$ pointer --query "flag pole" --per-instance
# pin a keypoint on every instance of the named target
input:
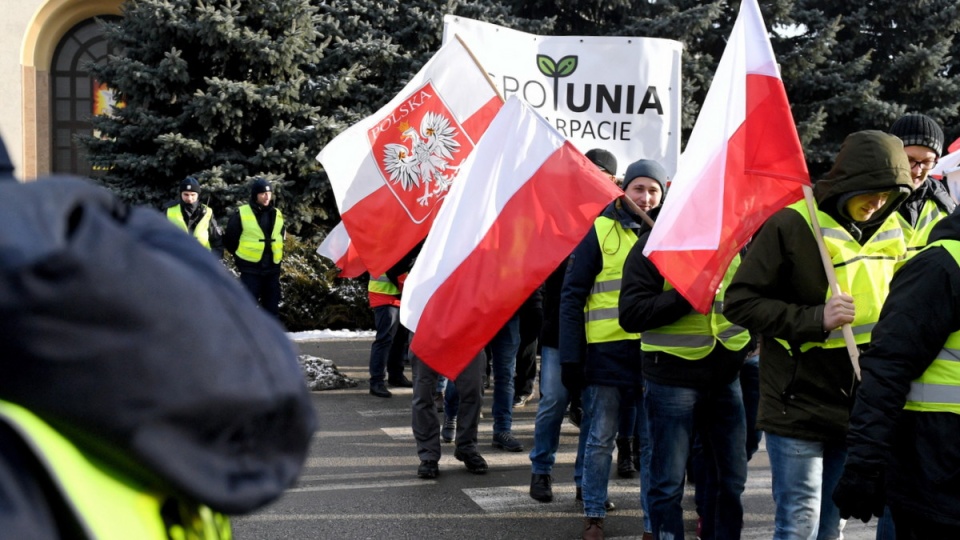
(831, 278)
(477, 62)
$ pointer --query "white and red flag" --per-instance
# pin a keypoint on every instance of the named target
(338, 248)
(743, 162)
(522, 202)
(391, 171)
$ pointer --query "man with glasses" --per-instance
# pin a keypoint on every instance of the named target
(930, 201)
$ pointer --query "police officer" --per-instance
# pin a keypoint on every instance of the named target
(196, 218)
(255, 236)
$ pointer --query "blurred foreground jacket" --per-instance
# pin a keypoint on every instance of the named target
(127, 349)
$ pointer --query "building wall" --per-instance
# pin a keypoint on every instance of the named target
(29, 33)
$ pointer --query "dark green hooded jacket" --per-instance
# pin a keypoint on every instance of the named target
(780, 289)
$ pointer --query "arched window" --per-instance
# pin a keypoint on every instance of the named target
(74, 94)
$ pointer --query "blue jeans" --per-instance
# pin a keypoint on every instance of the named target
(886, 530)
(386, 320)
(750, 386)
(504, 347)
(674, 414)
(550, 412)
(602, 404)
(805, 474)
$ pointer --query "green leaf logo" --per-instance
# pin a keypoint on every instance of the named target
(555, 70)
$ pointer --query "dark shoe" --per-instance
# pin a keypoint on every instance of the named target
(625, 468)
(380, 390)
(505, 441)
(401, 382)
(541, 487)
(647, 535)
(428, 469)
(473, 460)
(520, 400)
(449, 430)
(438, 401)
(575, 416)
(607, 505)
(592, 529)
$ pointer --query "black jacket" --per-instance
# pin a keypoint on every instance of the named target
(919, 451)
(644, 305)
(266, 217)
(127, 337)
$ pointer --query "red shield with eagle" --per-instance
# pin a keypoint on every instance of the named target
(418, 148)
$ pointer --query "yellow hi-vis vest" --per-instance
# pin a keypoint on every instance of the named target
(107, 504)
(602, 312)
(252, 239)
(864, 272)
(382, 285)
(916, 237)
(694, 336)
(938, 388)
(202, 232)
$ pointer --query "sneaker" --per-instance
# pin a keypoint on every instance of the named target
(438, 401)
(505, 441)
(449, 430)
(541, 487)
(520, 400)
(428, 469)
(400, 382)
(592, 528)
(607, 505)
(473, 461)
(380, 390)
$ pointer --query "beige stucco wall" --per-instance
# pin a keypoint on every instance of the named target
(29, 33)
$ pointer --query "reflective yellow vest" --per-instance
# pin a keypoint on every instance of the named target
(202, 232)
(602, 311)
(105, 503)
(382, 285)
(916, 237)
(938, 388)
(694, 336)
(252, 239)
(864, 272)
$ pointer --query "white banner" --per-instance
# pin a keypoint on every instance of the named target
(621, 94)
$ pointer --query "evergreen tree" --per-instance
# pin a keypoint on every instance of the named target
(213, 89)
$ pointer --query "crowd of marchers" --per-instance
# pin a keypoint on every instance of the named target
(680, 395)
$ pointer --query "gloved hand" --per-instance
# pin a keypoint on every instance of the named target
(860, 493)
(571, 375)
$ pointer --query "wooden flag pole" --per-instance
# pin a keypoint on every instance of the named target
(831, 278)
(479, 66)
(636, 210)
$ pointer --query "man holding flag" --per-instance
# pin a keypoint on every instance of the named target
(807, 381)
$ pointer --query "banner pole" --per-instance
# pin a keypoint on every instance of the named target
(477, 62)
(831, 278)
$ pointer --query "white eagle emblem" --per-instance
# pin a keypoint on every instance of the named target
(425, 160)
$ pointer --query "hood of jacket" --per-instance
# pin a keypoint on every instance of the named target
(184, 383)
(868, 161)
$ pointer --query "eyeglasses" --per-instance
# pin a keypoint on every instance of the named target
(924, 165)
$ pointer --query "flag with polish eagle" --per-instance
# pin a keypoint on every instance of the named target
(522, 202)
(338, 248)
(743, 162)
(391, 171)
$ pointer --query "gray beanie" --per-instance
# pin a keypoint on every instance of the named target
(919, 130)
(648, 168)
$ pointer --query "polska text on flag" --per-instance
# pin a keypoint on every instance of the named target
(338, 248)
(743, 162)
(391, 171)
(522, 202)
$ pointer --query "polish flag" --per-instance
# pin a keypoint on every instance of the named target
(743, 162)
(522, 202)
(338, 248)
(391, 171)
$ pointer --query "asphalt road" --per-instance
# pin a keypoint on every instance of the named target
(360, 479)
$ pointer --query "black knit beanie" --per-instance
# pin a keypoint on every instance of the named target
(190, 184)
(919, 130)
(603, 159)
